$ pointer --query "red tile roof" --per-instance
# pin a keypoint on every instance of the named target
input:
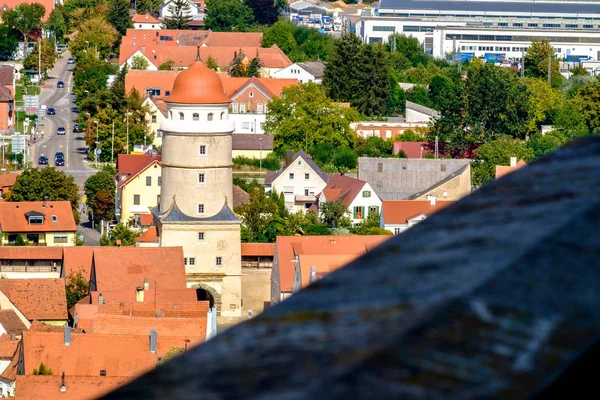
(411, 149)
(146, 219)
(8, 180)
(78, 259)
(241, 39)
(150, 236)
(126, 296)
(88, 353)
(323, 263)
(10, 373)
(11, 323)
(258, 249)
(48, 5)
(142, 79)
(8, 347)
(145, 19)
(287, 247)
(47, 387)
(37, 326)
(37, 298)
(502, 170)
(400, 211)
(119, 268)
(271, 87)
(13, 216)
(31, 253)
(131, 165)
(344, 188)
(170, 309)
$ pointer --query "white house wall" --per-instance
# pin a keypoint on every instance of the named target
(297, 186)
(366, 202)
(248, 122)
(294, 72)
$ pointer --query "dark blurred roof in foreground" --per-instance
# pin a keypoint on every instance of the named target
(493, 297)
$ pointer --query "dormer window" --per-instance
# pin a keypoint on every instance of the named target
(36, 220)
(54, 218)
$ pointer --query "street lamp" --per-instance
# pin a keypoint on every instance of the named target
(260, 155)
(127, 117)
(97, 142)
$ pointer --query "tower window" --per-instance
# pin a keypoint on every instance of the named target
(202, 150)
(200, 235)
(200, 178)
(200, 208)
(210, 116)
(222, 115)
(196, 117)
(181, 117)
(219, 261)
(192, 260)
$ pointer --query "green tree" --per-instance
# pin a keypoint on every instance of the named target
(254, 67)
(180, 17)
(396, 101)
(341, 76)
(42, 370)
(228, 16)
(544, 144)
(333, 213)
(370, 226)
(212, 63)
(8, 42)
(420, 95)
(587, 101)
(76, 287)
(257, 216)
(439, 84)
(118, 15)
(571, 86)
(96, 39)
(536, 62)
(497, 152)
(19, 241)
(544, 98)
(35, 184)
(265, 12)
(25, 18)
(408, 47)
(373, 79)
(167, 65)
(139, 62)
(303, 116)
(56, 22)
(238, 68)
(345, 160)
(579, 70)
(100, 192)
(119, 232)
(49, 56)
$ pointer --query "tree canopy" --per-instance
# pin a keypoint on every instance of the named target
(25, 18)
(229, 16)
(119, 17)
(299, 43)
(536, 62)
(77, 287)
(49, 56)
(119, 232)
(96, 39)
(180, 15)
(35, 184)
(304, 116)
(100, 192)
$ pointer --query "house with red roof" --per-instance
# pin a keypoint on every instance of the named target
(35, 387)
(146, 21)
(31, 261)
(411, 149)
(300, 260)
(502, 170)
(42, 223)
(138, 184)
(9, 357)
(399, 215)
(7, 180)
(39, 299)
(357, 195)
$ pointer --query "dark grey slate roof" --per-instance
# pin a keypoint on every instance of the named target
(440, 183)
(492, 298)
(174, 214)
(537, 7)
(315, 68)
(307, 160)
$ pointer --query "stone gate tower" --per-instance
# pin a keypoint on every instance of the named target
(196, 193)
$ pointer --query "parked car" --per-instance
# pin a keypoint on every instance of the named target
(61, 130)
(43, 160)
(70, 61)
(75, 110)
(60, 84)
(51, 111)
(75, 128)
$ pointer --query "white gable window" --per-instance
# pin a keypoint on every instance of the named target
(234, 108)
(259, 108)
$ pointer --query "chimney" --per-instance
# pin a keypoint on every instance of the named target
(313, 274)
(152, 341)
(143, 48)
(146, 284)
(67, 336)
(432, 200)
(118, 242)
(63, 387)
(288, 157)
(100, 299)
(513, 161)
(139, 294)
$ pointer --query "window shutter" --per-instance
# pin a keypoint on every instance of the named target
(354, 216)
(362, 211)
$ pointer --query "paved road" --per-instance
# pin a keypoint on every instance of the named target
(71, 144)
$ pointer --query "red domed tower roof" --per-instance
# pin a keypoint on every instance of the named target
(198, 85)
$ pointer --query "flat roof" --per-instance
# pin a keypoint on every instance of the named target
(537, 7)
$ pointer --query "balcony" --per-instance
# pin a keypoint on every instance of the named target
(301, 198)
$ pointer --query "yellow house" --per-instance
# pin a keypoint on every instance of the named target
(251, 145)
(138, 186)
(42, 223)
(155, 115)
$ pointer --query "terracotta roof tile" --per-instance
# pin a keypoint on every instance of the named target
(47, 387)
(240, 196)
(48, 5)
(88, 353)
(6, 78)
(287, 247)
(10, 373)
(31, 253)
(502, 170)
(7, 180)
(78, 259)
(37, 326)
(142, 79)
(258, 249)
(275, 86)
(37, 298)
(13, 216)
(149, 236)
(411, 149)
(146, 219)
(8, 346)
(400, 211)
(323, 263)
(126, 296)
(11, 322)
(134, 164)
(119, 268)
(170, 309)
(145, 19)
(241, 39)
(344, 188)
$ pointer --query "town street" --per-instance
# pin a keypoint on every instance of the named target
(71, 144)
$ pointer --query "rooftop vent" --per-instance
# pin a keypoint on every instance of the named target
(67, 336)
(63, 387)
(313, 274)
(153, 341)
(102, 372)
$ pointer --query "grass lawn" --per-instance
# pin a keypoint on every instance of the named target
(20, 119)
(20, 91)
